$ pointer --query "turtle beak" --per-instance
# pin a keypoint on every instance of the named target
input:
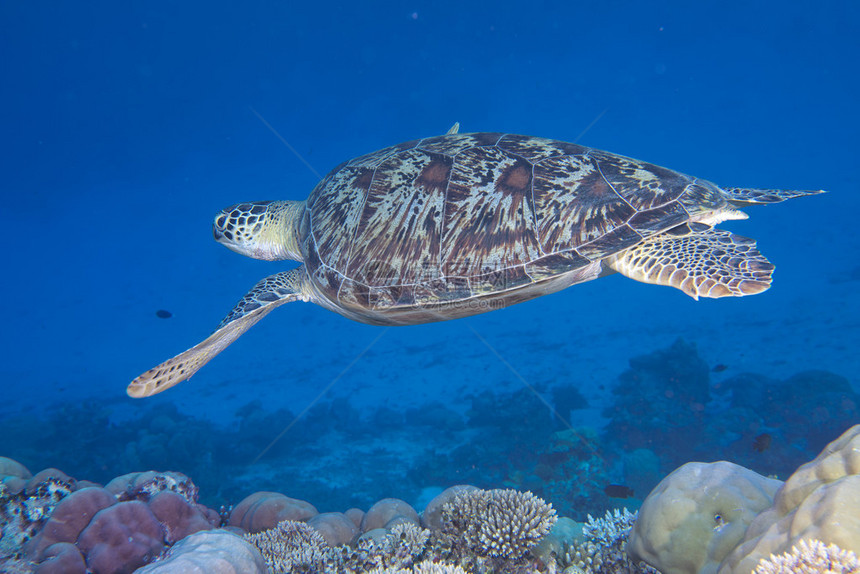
(216, 233)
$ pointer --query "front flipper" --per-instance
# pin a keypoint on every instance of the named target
(698, 260)
(271, 292)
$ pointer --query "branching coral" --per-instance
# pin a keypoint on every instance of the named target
(394, 550)
(426, 567)
(811, 557)
(292, 546)
(604, 550)
(497, 523)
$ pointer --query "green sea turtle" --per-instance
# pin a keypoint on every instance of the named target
(460, 224)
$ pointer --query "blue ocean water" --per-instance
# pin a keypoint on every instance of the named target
(128, 126)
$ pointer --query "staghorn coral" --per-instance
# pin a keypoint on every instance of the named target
(426, 567)
(432, 516)
(501, 523)
(811, 557)
(395, 549)
(411, 537)
(292, 546)
(604, 549)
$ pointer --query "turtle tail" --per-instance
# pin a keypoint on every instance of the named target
(741, 196)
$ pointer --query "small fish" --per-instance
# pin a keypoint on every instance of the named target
(720, 368)
(163, 314)
(762, 442)
(618, 491)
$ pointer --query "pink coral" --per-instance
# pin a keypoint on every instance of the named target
(69, 519)
(178, 516)
(62, 558)
(144, 485)
(122, 538)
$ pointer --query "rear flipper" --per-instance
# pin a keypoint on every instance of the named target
(739, 196)
(271, 292)
(698, 260)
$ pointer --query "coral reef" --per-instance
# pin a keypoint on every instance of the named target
(660, 403)
(210, 552)
(336, 528)
(725, 519)
(516, 522)
(498, 523)
(820, 501)
(121, 538)
(292, 546)
(668, 407)
(264, 510)
(387, 512)
(597, 547)
(811, 557)
(26, 508)
(144, 485)
(697, 515)
(69, 518)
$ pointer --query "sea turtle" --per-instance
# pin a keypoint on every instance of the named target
(460, 224)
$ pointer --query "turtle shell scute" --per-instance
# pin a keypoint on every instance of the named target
(464, 216)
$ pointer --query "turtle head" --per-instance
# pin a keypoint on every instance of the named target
(261, 229)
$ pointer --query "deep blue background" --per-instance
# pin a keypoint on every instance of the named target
(126, 126)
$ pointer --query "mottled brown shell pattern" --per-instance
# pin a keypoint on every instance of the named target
(458, 216)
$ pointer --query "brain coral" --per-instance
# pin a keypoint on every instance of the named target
(820, 501)
(697, 515)
(811, 557)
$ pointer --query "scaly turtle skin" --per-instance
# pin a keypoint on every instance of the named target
(460, 224)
